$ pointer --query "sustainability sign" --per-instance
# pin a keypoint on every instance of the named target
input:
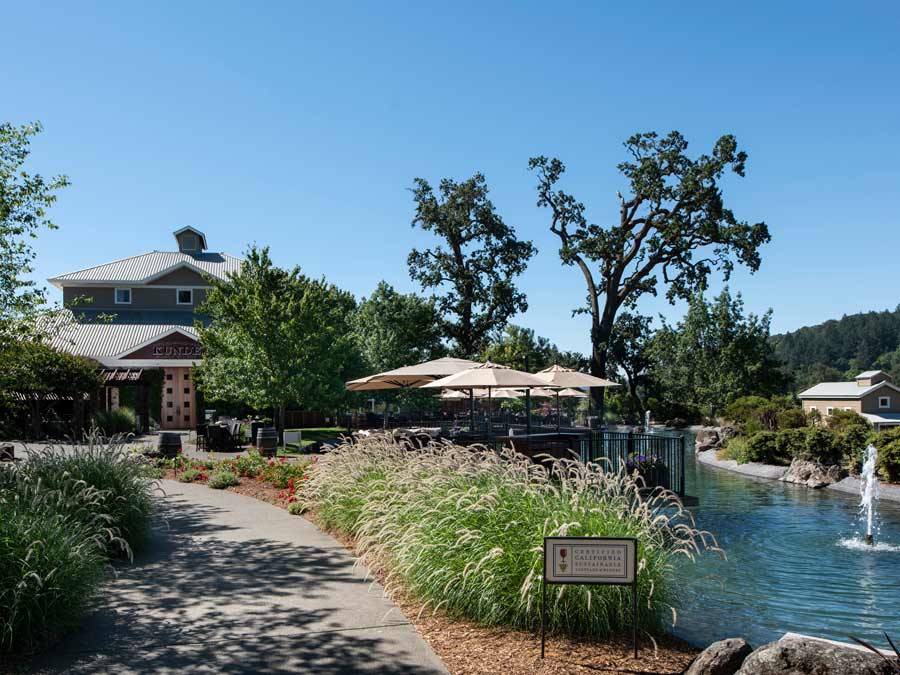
(589, 560)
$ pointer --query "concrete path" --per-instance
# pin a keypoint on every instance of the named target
(229, 584)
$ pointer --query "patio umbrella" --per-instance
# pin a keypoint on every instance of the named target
(489, 376)
(560, 377)
(411, 376)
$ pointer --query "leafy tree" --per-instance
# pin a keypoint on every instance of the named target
(276, 337)
(673, 227)
(715, 355)
(472, 270)
(629, 351)
(37, 373)
(520, 348)
(24, 200)
(395, 329)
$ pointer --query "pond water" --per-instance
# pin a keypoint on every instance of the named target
(795, 563)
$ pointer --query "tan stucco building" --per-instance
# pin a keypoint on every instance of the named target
(872, 394)
(137, 315)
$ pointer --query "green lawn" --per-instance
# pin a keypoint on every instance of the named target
(310, 436)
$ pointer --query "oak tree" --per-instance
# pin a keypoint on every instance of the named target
(673, 229)
(472, 270)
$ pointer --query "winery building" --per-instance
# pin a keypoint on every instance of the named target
(136, 318)
(872, 394)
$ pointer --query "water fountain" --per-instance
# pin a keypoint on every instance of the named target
(869, 491)
(647, 427)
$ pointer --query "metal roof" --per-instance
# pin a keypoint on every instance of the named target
(882, 418)
(148, 266)
(869, 373)
(836, 390)
(87, 334)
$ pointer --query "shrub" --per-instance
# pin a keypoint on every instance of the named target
(792, 418)
(745, 409)
(888, 444)
(820, 446)
(123, 478)
(462, 529)
(791, 443)
(736, 449)
(112, 422)
(761, 447)
(189, 476)
(221, 479)
(295, 508)
(843, 419)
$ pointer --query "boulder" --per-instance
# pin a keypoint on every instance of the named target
(707, 439)
(812, 474)
(805, 656)
(724, 657)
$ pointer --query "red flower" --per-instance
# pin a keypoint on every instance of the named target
(292, 499)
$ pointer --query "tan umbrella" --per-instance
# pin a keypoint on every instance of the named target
(489, 376)
(409, 377)
(560, 377)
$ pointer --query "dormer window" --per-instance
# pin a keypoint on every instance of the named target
(123, 296)
(191, 242)
(184, 296)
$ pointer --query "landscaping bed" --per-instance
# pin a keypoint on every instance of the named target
(471, 644)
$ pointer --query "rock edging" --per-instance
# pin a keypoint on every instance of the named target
(791, 655)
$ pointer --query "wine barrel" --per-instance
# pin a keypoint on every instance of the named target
(169, 443)
(267, 441)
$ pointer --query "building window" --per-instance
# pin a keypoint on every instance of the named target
(813, 408)
(848, 409)
(168, 376)
(123, 296)
(884, 401)
(168, 418)
(829, 410)
(187, 376)
(168, 404)
(168, 390)
(184, 296)
(187, 404)
(187, 418)
(191, 242)
(187, 390)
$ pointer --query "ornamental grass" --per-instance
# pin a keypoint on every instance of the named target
(63, 513)
(462, 528)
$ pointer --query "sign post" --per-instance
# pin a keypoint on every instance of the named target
(605, 561)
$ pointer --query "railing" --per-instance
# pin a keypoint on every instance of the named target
(658, 458)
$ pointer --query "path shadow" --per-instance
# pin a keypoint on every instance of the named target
(191, 604)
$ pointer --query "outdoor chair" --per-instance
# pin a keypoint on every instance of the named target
(202, 434)
(216, 437)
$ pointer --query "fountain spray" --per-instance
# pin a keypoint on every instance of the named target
(869, 490)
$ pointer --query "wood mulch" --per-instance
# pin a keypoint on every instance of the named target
(467, 648)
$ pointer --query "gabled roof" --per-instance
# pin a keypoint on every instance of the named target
(838, 390)
(88, 334)
(141, 269)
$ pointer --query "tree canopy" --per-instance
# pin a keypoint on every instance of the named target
(472, 270)
(35, 373)
(522, 349)
(276, 337)
(24, 200)
(630, 352)
(396, 329)
(673, 227)
(715, 355)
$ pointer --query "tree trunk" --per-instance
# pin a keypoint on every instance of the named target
(600, 334)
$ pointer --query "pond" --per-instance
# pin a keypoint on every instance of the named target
(795, 563)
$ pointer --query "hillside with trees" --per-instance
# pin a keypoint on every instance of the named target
(840, 348)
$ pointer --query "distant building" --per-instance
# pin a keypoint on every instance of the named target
(136, 315)
(872, 394)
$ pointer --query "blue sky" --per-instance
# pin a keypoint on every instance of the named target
(302, 125)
